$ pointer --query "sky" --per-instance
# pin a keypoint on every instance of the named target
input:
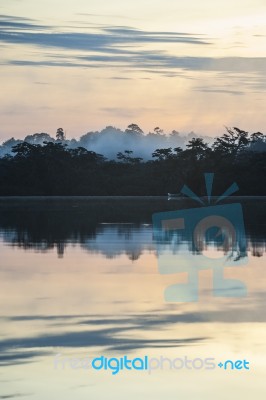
(85, 64)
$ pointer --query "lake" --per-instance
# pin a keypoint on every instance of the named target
(84, 278)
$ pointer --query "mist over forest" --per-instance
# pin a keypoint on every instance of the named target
(132, 164)
(110, 141)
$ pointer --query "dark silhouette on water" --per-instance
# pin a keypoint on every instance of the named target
(123, 224)
(54, 168)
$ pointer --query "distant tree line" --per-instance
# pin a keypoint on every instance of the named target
(110, 140)
(53, 168)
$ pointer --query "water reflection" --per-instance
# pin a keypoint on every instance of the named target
(110, 227)
(81, 278)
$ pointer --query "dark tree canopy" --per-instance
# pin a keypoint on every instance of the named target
(60, 135)
(51, 167)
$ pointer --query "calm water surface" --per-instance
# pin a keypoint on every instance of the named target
(79, 277)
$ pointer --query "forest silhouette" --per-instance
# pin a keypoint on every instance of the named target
(45, 167)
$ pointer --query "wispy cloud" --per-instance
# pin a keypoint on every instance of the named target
(219, 90)
(15, 395)
(11, 23)
(100, 44)
(127, 49)
(106, 38)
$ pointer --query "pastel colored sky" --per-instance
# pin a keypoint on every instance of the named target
(84, 64)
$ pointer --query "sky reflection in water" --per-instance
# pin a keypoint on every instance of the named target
(81, 278)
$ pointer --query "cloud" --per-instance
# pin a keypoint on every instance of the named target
(126, 48)
(15, 395)
(10, 23)
(41, 83)
(12, 17)
(138, 60)
(111, 338)
(103, 39)
(119, 333)
(122, 45)
(16, 357)
(217, 90)
(119, 78)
